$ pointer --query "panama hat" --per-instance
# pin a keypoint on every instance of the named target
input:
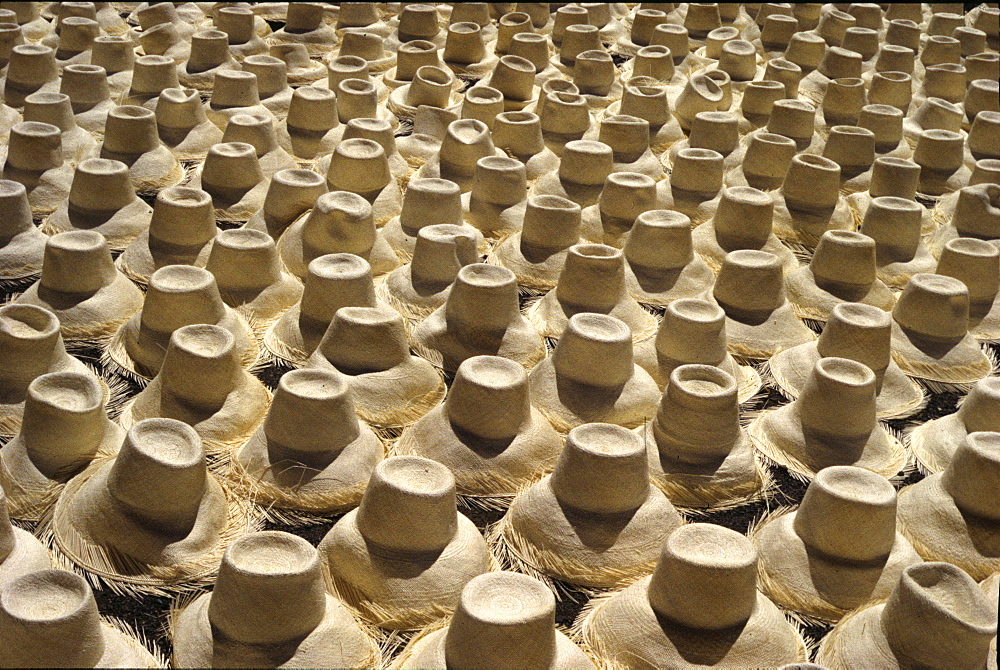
(699, 94)
(32, 24)
(305, 25)
(942, 168)
(151, 75)
(257, 130)
(480, 317)
(891, 177)
(700, 607)
(694, 184)
(35, 159)
(410, 57)
(758, 101)
(482, 103)
(765, 162)
(597, 78)
(976, 214)
(853, 149)
(831, 422)
(809, 202)
(936, 617)
(583, 168)
(514, 77)
(300, 69)
(645, 97)
(64, 428)
(894, 224)
(402, 558)
(151, 518)
(427, 201)
(417, 22)
(290, 193)
(430, 85)
(49, 618)
(183, 125)
(311, 128)
(269, 607)
(886, 122)
(234, 178)
(272, 82)
(624, 197)
(239, 24)
(930, 332)
(23, 245)
(537, 253)
(486, 432)
(838, 550)
(235, 92)
(20, 552)
(178, 295)
(843, 102)
(82, 287)
(164, 39)
(89, 94)
(495, 203)
(932, 114)
(32, 68)
(984, 171)
(209, 56)
(361, 165)
(56, 109)
(130, 136)
(595, 521)
(312, 454)
(464, 143)
(983, 128)
(718, 131)
(933, 443)
(591, 376)
(365, 43)
(976, 264)
(629, 139)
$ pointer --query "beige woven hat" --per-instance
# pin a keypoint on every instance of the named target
(234, 178)
(592, 280)
(165, 39)
(382, 132)
(88, 91)
(410, 57)
(178, 295)
(583, 169)
(311, 128)
(300, 69)
(718, 131)
(895, 177)
(153, 518)
(464, 143)
(290, 193)
(838, 550)
(930, 332)
(235, 92)
(430, 84)
(487, 432)
(480, 317)
(305, 25)
(365, 43)
(182, 124)
(843, 101)
(984, 171)
(130, 136)
(269, 607)
(937, 617)
(831, 422)
(258, 131)
(32, 68)
(694, 184)
(56, 109)
(976, 263)
(239, 24)
(699, 608)
(934, 442)
(894, 224)
(312, 454)
(402, 558)
(272, 82)
(939, 153)
(596, 77)
(64, 428)
(248, 271)
(502, 619)
(624, 197)
(629, 139)
(360, 165)
(514, 77)
(645, 97)
(495, 203)
(35, 159)
(151, 75)
(49, 618)
(976, 214)
(853, 149)
(209, 56)
(767, 158)
(28, 17)
(595, 521)
(20, 552)
(427, 201)
(23, 245)
(809, 202)
(699, 94)
(482, 103)
(886, 122)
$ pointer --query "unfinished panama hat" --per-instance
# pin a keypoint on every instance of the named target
(102, 199)
(894, 224)
(700, 607)
(596, 77)
(270, 607)
(239, 25)
(628, 137)
(942, 168)
(272, 82)
(984, 171)
(537, 253)
(495, 203)
(765, 162)
(427, 201)
(21, 553)
(312, 455)
(257, 130)
(699, 456)
(305, 25)
(360, 165)
(402, 558)
(480, 317)
(181, 230)
(976, 263)
(430, 85)
(760, 321)
(861, 333)
(976, 214)
(483, 103)
(235, 92)
(300, 69)
(290, 193)
(232, 175)
(699, 94)
(933, 443)
(209, 56)
(514, 77)
(178, 295)
(936, 617)
(82, 287)
(65, 427)
(130, 136)
(838, 550)
(591, 377)
(718, 131)
(583, 168)
(502, 618)
(624, 197)
(151, 518)
(57, 110)
(809, 202)
(35, 159)
(592, 280)
(891, 176)
(853, 149)
(930, 332)
(464, 143)
(694, 184)
(841, 270)
(22, 245)
(31, 68)
(486, 431)
(595, 521)
(49, 618)
(151, 75)
(202, 384)
(183, 125)
(831, 422)
(646, 97)
(311, 128)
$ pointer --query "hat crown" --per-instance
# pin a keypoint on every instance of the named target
(464, 143)
(312, 417)
(257, 130)
(180, 295)
(698, 172)
(644, 98)
(767, 159)
(977, 264)
(626, 195)
(201, 366)
(660, 240)
(812, 183)
(595, 350)
(717, 131)
(499, 180)
(464, 43)
(152, 74)
(594, 72)
(291, 192)
(340, 222)
(430, 84)
(483, 297)
(602, 469)
(365, 339)
(837, 409)
(850, 147)
(489, 398)
(692, 331)
(980, 411)
(182, 216)
(934, 307)
(759, 98)
(85, 84)
(440, 251)
(586, 162)
(334, 281)
(700, 94)
(859, 332)
(519, 133)
(939, 150)
(440, 199)
(32, 65)
(977, 211)
(271, 73)
(894, 224)
(844, 259)
(750, 284)
(15, 212)
(896, 177)
(34, 146)
(744, 218)
(30, 344)
(698, 419)
(792, 118)
(355, 67)
(52, 108)
(77, 262)
(364, 44)
(230, 170)
(244, 260)
(973, 475)
(130, 130)
(180, 108)
(356, 98)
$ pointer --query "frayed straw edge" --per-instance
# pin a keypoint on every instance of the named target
(139, 639)
(705, 498)
(948, 380)
(115, 359)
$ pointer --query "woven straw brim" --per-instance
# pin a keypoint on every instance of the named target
(695, 280)
(94, 319)
(932, 444)
(805, 228)
(27, 555)
(782, 330)
(963, 364)
(708, 248)
(267, 306)
(250, 202)
(540, 276)
(195, 143)
(291, 248)
(46, 189)
(432, 341)
(898, 275)
(151, 171)
(396, 290)
(549, 317)
(139, 261)
(987, 327)
(811, 302)
(119, 229)
(203, 81)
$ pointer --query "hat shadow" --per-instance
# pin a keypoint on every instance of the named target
(483, 447)
(827, 575)
(590, 403)
(597, 537)
(700, 647)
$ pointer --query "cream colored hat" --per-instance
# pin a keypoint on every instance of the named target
(32, 68)
(831, 422)
(480, 317)
(930, 332)
(976, 214)
(853, 149)
(239, 25)
(299, 67)
(839, 550)
(646, 98)
(290, 194)
(49, 618)
(595, 521)
(976, 263)
(591, 377)
(894, 224)
(360, 165)
(234, 178)
(65, 427)
(57, 109)
(430, 85)
(699, 608)
(23, 245)
(718, 131)
(402, 558)
(624, 197)
(537, 253)
(486, 630)
(182, 124)
(809, 202)
(936, 617)
(305, 25)
(895, 177)
(257, 130)
(269, 605)
(597, 78)
(495, 203)
(35, 159)
(694, 184)
(699, 94)
(482, 103)
(209, 56)
(152, 518)
(464, 143)
(272, 82)
(939, 153)
(934, 442)
(151, 75)
(235, 92)
(583, 169)
(592, 280)
(487, 432)
(178, 295)
(311, 129)
(765, 163)
(130, 136)
(629, 139)
(312, 454)
(427, 201)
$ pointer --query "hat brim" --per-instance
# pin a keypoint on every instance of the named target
(96, 317)
(397, 290)
(28, 555)
(707, 246)
(963, 363)
(782, 330)
(660, 288)
(748, 381)
(494, 221)
(21, 257)
(859, 641)
(46, 188)
(262, 308)
(119, 229)
(898, 275)
(250, 202)
(432, 341)
(191, 144)
(151, 171)
(550, 318)
(805, 228)
(139, 261)
(812, 302)
(11, 413)
(986, 328)
(933, 443)
(541, 275)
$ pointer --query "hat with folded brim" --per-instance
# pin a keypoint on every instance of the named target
(26, 555)
(933, 443)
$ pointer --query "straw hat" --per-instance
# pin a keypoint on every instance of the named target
(936, 617)
(178, 295)
(537, 253)
(482, 103)
(624, 197)
(258, 131)
(150, 76)
(272, 82)
(976, 264)
(502, 619)
(32, 68)
(64, 428)
(629, 139)
(402, 558)
(591, 376)
(431, 85)
(20, 552)
(27, 16)
(932, 114)
(583, 169)
(23, 245)
(514, 77)
(165, 39)
(595, 521)
(464, 143)
(767, 158)
(130, 136)
(182, 124)
(233, 176)
(699, 608)
(290, 193)
(381, 132)
(480, 317)
(495, 203)
(312, 454)
(300, 69)
(181, 230)
(831, 422)
(718, 131)
(565, 116)
(269, 606)
(49, 618)
(427, 201)
(209, 56)
(102, 199)
(153, 517)
(976, 214)
(305, 26)
(82, 287)
(57, 109)
(410, 57)
(361, 165)
(365, 43)
(930, 332)
(939, 155)
(983, 128)
(839, 550)
(694, 184)
(891, 177)
(933, 443)
(809, 202)
(886, 122)
(311, 129)
(894, 224)
(35, 159)
(235, 92)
